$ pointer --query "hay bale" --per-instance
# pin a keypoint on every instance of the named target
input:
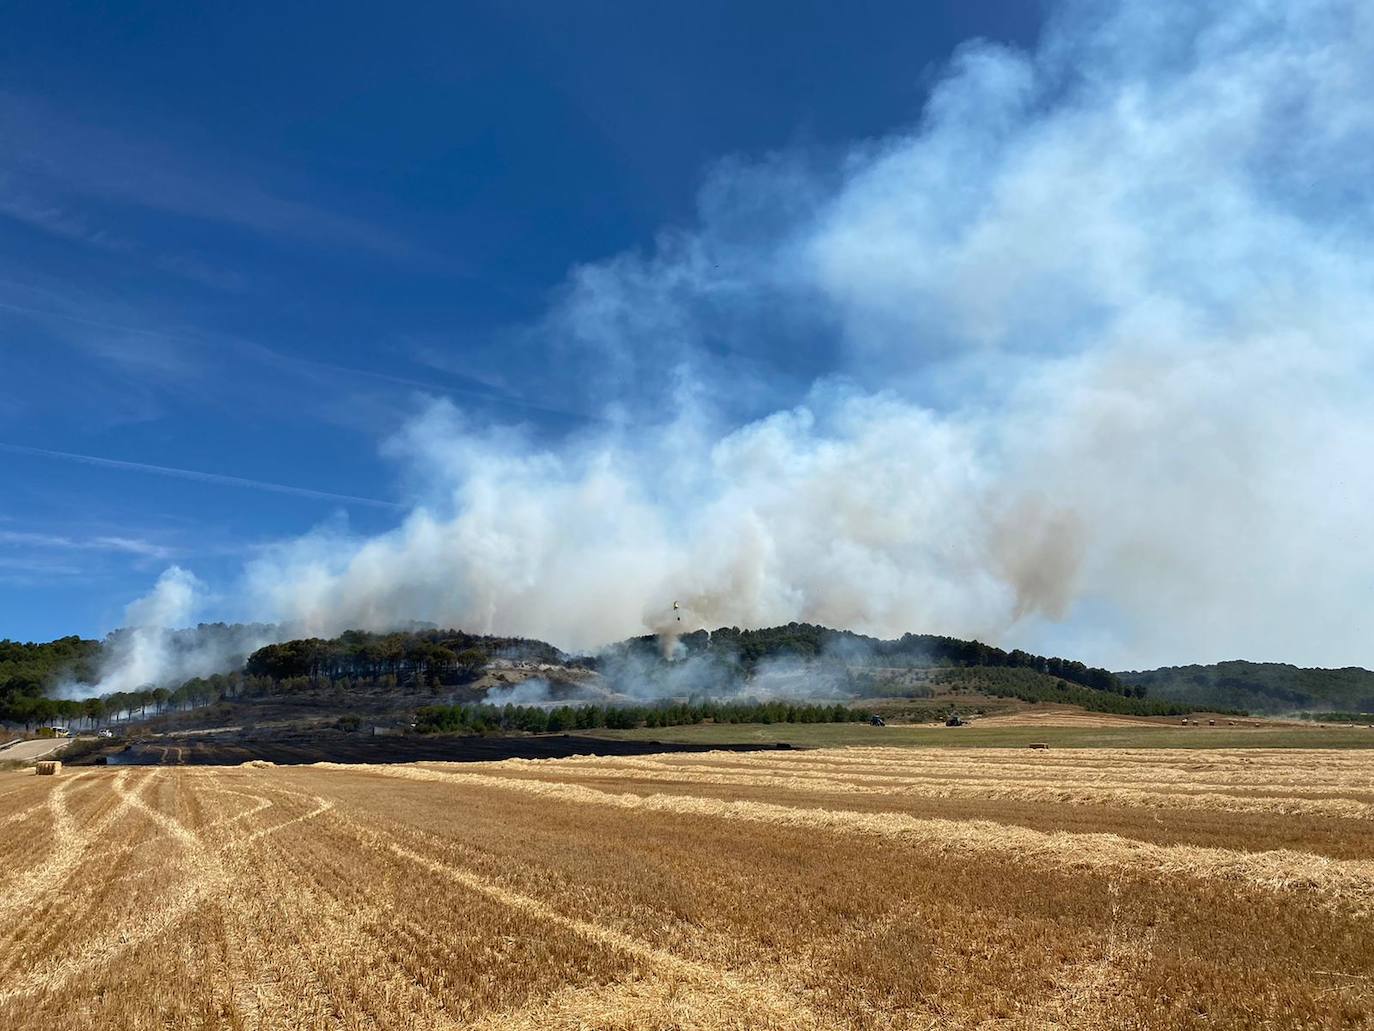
(48, 768)
(1038, 744)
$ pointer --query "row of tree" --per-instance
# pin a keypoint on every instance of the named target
(122, 706)
(534, 719)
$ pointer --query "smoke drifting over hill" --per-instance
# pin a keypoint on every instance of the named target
(145, 651)
(1080, 362)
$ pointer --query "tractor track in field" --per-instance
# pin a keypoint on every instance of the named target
(1340, 882)
(782, 1009)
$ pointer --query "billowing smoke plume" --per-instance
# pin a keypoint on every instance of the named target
(146, 652)
(140, 655)
(1082, 362)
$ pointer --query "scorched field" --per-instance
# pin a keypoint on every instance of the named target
(861, 888)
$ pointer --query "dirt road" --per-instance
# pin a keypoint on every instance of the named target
(27, 751)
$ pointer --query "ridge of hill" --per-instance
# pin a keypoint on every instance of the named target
(794, 660)
(750, 649)
(790, 660)
(1260, 686)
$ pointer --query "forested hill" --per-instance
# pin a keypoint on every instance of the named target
(425, 654)
(33, 669)
(701, 663)
(748, 648)
(1260, 686)
(30, 671)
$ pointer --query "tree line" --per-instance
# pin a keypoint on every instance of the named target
(121, 706)
(482, 718)
(1029, 686)
(1338, 717)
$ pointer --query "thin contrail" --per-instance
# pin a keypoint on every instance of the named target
(195, 474)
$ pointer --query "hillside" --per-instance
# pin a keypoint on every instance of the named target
(30, 667)
(386, 674)
(752, 650)
(1260, 686)
(30, 671)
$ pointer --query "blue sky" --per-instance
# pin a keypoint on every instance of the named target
(1045, 325)
(242, 241)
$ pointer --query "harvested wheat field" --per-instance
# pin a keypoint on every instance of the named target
(864, 888)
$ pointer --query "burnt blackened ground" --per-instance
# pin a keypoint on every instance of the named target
(310, 747)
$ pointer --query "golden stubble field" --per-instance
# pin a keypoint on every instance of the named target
(861, 888)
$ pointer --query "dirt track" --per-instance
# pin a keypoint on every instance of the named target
(27, 751)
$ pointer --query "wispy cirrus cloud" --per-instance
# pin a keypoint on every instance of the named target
(57, 171)
(107, 543)
(35, 571)
(188, 358)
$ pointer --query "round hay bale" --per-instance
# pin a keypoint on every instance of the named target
(48, 768)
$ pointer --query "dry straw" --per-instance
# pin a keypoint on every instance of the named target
(576, 895)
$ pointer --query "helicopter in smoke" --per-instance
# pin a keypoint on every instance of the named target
(676, 612)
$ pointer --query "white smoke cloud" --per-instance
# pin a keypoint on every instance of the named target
(147, 651)
(172, 601)
(140, 655)
(1081, 362)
